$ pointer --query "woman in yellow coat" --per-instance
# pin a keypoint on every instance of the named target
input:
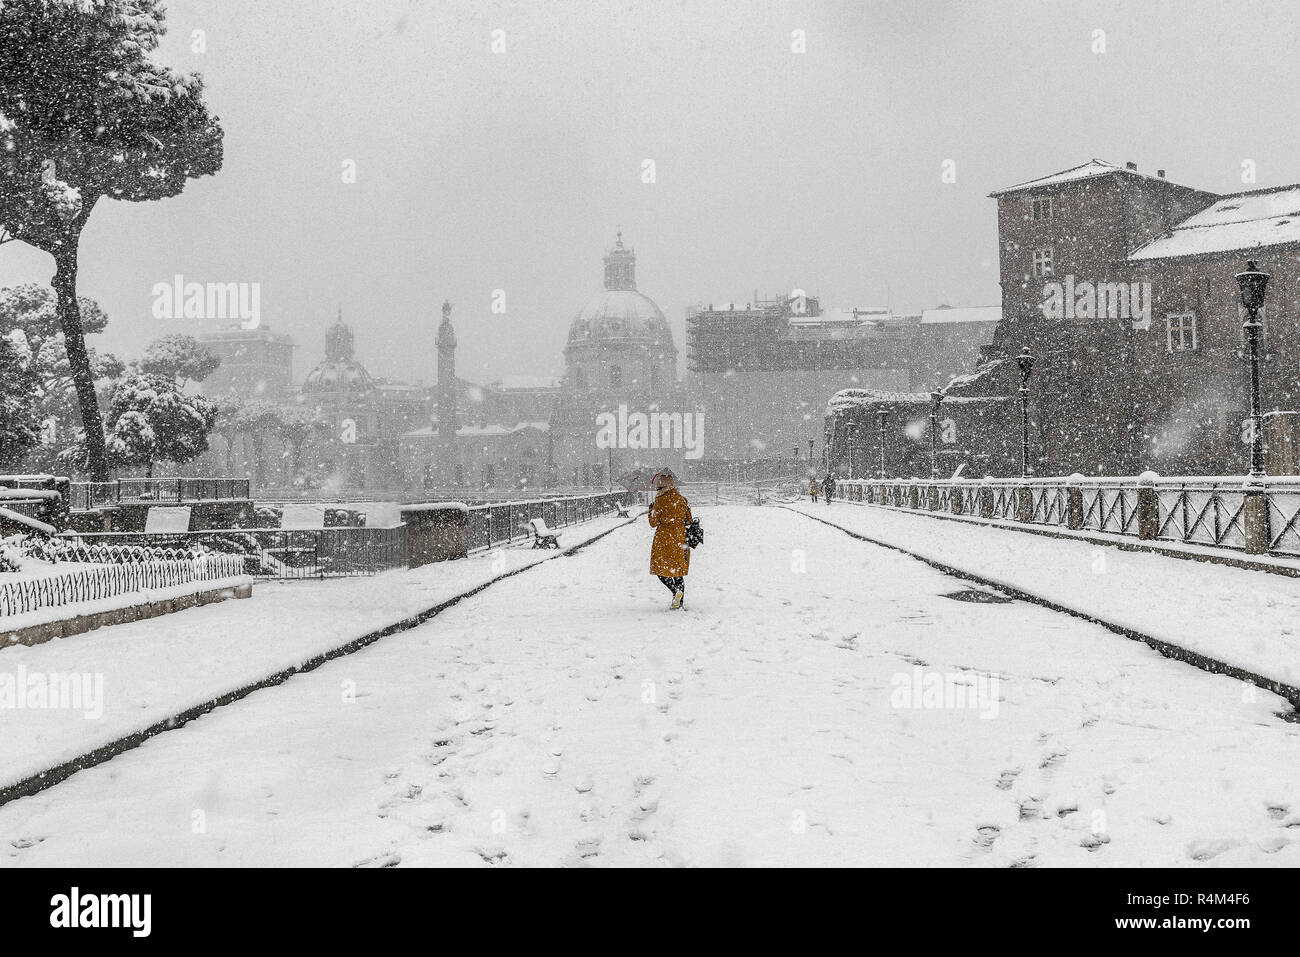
(669, 515)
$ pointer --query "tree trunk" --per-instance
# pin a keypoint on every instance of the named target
(259, 455)
(65, 288)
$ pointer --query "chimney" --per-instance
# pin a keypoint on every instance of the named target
(1132, 166)
(1160, 173)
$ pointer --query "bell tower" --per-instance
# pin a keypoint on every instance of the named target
(620, 266)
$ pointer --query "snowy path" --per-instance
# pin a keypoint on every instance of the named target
(157, 668)
(564, 716)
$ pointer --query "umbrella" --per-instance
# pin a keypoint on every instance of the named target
(637, 480)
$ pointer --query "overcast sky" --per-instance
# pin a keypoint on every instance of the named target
(479, 170)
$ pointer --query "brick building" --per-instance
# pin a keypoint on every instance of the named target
(1122, 284)
(1065, 240)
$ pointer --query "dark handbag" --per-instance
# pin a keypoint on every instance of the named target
(694, 533)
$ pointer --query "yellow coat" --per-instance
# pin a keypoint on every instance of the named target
(669, 515)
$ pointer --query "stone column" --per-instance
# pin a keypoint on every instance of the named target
(1148, 506)
(436, 532)
(1255, 520)
(1074, 502)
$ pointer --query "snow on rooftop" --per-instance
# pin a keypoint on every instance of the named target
(961, 314)
(829, 317)
(1089, 170)
(478, 431)
(1241, 221)
(507, 382)
(847, 399)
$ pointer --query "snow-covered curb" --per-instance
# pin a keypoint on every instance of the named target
(51, 613)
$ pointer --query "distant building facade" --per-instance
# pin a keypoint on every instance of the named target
(762, 372)
(255, 363)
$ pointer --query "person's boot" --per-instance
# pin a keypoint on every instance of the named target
(678, 597)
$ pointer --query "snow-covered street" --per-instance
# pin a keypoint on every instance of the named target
(565, 716)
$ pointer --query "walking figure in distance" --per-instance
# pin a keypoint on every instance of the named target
(669, 515)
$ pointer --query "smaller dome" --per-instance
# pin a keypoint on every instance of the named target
(339, 371)
(338, 377)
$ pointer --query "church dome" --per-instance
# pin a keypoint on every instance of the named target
(620, 313)
(339, 371)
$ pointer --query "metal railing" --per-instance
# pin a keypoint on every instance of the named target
(500, 523)
(161, 491)
(1232, 512)
(279, 553)
(94, 583)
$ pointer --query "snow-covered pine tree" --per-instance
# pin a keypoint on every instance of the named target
(85, 114)
(151, 420)
(19, 426)
(182, 357)
(29, 316)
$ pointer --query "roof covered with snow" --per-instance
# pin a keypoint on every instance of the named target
(847, 399)
(1089, 170)
(945, 314)
(1240, 221)
(508, 382)
(479, 431)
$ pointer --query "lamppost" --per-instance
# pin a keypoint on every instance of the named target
(853, 430)
(1026, 362)
(1253, 285)
(810, 452)
(882, 414)
(935, 399)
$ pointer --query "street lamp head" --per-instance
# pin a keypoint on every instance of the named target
(1253, 285)
(1026, 362)
(883, 415)
(935, 399)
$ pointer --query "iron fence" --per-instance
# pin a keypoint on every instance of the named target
(275, 553)
(162, 491)
(500, 523)
(1212, 511)
(1202, 513)
(96, 582)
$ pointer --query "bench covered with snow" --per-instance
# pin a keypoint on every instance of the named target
(543, 536)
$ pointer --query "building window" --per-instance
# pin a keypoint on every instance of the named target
(1042, 262)
(1181, 331)
(580, 379)
(616, 377)
(1040, 209)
